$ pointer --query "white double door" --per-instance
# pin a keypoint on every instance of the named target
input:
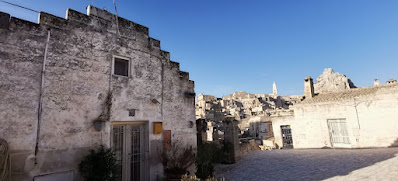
(338, 132)
(130, 144)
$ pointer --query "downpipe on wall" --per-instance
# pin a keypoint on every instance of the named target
(356, 111)
(31, 160)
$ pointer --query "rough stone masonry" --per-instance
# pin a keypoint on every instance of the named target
(62, 79)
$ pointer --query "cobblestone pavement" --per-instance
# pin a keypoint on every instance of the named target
(314, 164)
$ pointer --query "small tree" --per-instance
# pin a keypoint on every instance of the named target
(99, 165)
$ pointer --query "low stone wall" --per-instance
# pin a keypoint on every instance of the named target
(239, 147)
(247, 146)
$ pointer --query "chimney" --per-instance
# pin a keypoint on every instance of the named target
(308, 87)
(391, 81)
(376, 82)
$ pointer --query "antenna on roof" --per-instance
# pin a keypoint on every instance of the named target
(117, 17)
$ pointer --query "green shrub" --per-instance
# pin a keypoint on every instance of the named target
(99, 165)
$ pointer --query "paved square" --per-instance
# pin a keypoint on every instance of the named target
(314, 164)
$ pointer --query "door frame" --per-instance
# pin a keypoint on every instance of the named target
(339, 145)
(127, 144)
(283, 137)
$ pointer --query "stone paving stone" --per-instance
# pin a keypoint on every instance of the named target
(314, 164)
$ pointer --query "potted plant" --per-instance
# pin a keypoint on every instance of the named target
(176, 160)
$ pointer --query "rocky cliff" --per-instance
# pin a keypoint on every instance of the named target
(330, 81)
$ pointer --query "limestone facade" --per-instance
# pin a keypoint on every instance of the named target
(62, 79)
(344, 117)
(368, 116)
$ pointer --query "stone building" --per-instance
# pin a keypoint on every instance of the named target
(242, 105)
(333, 112)
(356, 118)
(392, 81)
(251, 110)
(345, 118)
(69, 85)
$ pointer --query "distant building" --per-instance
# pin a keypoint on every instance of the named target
(349, 118)
(392, 81)
(251, 110)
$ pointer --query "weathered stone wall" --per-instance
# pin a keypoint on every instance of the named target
(277, 122)
(77, 83)
(375, 125)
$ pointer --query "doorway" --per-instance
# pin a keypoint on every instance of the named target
(338, 133)
(131, 148)
(287, 136)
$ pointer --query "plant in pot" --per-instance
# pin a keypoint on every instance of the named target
(176, 160)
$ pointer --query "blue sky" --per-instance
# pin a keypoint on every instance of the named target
(229, 45)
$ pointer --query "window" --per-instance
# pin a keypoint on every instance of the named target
(121, 66)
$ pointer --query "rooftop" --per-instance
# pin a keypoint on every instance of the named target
(351, 93)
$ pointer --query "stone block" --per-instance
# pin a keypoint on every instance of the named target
(77, 16)
(51, 20)
(184, 75)
(4, 20)
(165, 54)
(154, 43)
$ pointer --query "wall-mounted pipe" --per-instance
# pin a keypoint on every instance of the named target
(40, 107)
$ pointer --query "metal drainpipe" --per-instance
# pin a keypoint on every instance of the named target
(40, 108)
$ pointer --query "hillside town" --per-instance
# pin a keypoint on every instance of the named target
(269, 119)
(92, 96)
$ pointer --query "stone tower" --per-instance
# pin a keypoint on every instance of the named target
(376, 82)
(308, 87)
(274, 90)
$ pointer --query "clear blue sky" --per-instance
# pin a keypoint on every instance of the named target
(228, 45)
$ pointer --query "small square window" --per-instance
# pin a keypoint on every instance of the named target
(120, 67)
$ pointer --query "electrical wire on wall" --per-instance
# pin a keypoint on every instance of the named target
(355, 105)
(16, 5)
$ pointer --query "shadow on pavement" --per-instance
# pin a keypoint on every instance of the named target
(308, 164)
